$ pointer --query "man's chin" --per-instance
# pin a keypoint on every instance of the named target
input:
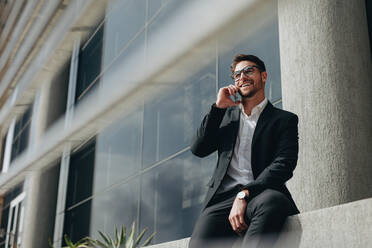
(248, 94)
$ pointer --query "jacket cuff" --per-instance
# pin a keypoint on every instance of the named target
(253, 189)
(216, 113)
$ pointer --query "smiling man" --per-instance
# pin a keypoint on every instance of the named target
(257, 144)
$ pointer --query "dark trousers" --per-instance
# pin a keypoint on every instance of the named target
(265, 215)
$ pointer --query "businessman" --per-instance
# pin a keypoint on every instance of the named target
(257, 144)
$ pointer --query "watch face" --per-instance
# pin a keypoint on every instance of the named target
(241, 195)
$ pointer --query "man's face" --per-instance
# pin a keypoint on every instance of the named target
(249, 85)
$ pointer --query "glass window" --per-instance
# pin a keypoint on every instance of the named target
(89, 66)
(117, 63)
(115, 207)
(80, 176)
(161, 12)
(3, 144)
(21, 133)
(369, 20)
(171, 118)
(125, 20)
(79, 188)
(4, 211)
(58, 95)
(172, 194)
(118, 151)
(77, 221)
(263, 43)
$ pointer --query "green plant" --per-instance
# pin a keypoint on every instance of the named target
(83, 243)
(80, 244)
(121, 239)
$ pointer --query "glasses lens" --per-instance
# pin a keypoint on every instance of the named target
(237, 75)
(248, 70)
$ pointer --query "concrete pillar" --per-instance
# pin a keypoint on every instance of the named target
(326, 79)
(41, 187)
(40, 204)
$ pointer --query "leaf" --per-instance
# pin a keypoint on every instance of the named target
(130, 239)
(123, 234)
(117, 237)
(138, 240)
(96, 242)
(68, 241)
(50, 243)
(105, 238)
(148, 240)
(121, 239)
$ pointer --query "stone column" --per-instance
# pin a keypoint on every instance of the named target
(326, 79)
(40, 186)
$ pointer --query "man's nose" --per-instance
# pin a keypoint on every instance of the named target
(242, 76)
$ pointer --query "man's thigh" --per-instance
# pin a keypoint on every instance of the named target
(270, 201)
(267, 212)
(213, 228)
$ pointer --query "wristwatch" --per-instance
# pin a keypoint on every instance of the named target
(241, 195)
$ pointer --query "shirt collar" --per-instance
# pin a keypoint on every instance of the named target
(257, 110)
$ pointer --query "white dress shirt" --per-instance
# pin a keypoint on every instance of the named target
(240, 169)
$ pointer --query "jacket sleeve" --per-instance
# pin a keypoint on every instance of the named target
(285, 160)
(205, 140)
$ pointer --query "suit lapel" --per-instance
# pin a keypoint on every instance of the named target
(262, 121)
(235, 119)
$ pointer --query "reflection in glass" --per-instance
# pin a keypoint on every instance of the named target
(79, 186)
(119, 63)
(89, 66)
(4, 210)
(172, 195)
(115, 207)
(21, 133)
(263, 43)
(118, 151)
(124, 20)
(160, 11)
(77, 219)
(279, 104)
(171, 118)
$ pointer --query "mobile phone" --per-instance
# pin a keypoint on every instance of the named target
(237, 97)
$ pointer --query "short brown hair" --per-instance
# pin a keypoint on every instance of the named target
(248, 57)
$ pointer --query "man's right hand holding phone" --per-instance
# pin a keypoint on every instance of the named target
(223, 97)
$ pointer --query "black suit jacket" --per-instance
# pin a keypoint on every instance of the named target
(274, 147)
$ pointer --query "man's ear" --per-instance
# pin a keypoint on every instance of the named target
(264, 76)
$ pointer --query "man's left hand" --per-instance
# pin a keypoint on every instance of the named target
(237, 213)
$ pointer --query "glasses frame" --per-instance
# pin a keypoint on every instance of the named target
(244, 70)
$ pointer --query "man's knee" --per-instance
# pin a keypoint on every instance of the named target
(270, 201)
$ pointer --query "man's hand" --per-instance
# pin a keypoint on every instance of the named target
(237, 213)
(223, 97)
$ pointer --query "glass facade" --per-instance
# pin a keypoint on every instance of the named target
(4, 211)
(369, 20)
(79, 188)
(21, 133)
(140, 168)
(3, 144)
(89, 66)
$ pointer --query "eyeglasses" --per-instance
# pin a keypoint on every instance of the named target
(248, 71)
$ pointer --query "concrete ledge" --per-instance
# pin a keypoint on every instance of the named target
(347, 225)
(181, 243)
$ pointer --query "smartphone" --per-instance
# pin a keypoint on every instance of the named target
(237, 97)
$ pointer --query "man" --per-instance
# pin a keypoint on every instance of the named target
(257, 147)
